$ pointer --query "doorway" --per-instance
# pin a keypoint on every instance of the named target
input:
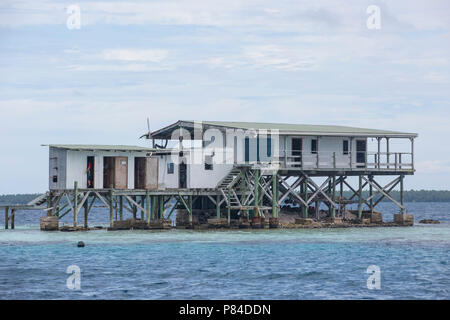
(146, 173)
(297, 149)
(115, 172)
(90, 172)
(182, 175)
(108, 172)
(361, 151)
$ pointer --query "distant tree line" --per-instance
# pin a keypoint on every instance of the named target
(409, 196)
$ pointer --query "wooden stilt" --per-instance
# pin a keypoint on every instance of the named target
(6, 217)
(317, 205)
(190, 208)
(111, 206)
(75, 203)
(161, 207)
(274, 195)
(371, 194)
(147, 205)
(154, 200)
(402, 200)
(120, 208)
(360, 198)
(86, 211)
(218, 207)
(143, 206)
(305, 197)
(256, 195)
(13, 215)
(134, 208)
(229, 207)
(333, 197)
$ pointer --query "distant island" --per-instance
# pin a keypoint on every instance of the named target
(410, 196)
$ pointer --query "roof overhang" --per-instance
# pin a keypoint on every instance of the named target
(190, 126)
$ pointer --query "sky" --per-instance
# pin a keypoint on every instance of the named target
(312, 62)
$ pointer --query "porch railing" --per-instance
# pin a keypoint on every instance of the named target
(395, 161)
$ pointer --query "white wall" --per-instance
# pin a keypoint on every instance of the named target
(77, 164)
(57, 166)
(166, 180)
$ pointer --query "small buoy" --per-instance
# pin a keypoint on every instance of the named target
(80, 244)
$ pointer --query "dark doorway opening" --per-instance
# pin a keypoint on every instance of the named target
(90, 172)
(297, 148)
(361, 151)
(108, 172)
(182, 175)
(139, 172)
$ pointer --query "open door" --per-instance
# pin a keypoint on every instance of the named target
(182, 175)
(108, 172)
(297, 150)
(90, 172)
(146, 173)
(361, 151)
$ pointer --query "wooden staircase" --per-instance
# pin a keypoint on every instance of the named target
(226, 184)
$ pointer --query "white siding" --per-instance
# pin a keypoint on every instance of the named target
(77, 164)
(57, 167)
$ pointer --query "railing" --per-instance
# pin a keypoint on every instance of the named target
(395, 161)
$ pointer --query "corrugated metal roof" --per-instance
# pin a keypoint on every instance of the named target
(99, 147)
(298, 127)
(301, 129)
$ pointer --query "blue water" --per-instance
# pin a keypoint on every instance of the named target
(263, 264)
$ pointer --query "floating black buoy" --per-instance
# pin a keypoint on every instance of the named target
(80, 244)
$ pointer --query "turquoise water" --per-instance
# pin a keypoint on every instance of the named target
(264, 264)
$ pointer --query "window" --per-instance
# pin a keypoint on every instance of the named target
(170, 168)
(314, 146)
(269, 146)
(55, 179)
(345, 147)
(208, 163)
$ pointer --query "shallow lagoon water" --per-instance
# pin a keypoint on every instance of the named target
(260, 264)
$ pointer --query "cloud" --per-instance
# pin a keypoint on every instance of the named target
(149, 55)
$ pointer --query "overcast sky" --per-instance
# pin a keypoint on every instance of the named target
(270, 61)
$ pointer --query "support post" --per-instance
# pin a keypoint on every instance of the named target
(229, 206)
(371, 194)
(317, 204)
(412, 153)
(388, 156)
(143, 206)
(147, 205)
(274, 195)
(86, 211)
(190, 208)
(75, 203)
(341, 195)
(256, 193)
(111, 206)
(305, 197)
(6, 217)
(333, 209)
(120, 208)
(360, 198)
(402, 200)
(152, 216)
(50, 204)
(13, 215)
(161, 207)
(134, 208)
(218, 207)
(379, 152)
